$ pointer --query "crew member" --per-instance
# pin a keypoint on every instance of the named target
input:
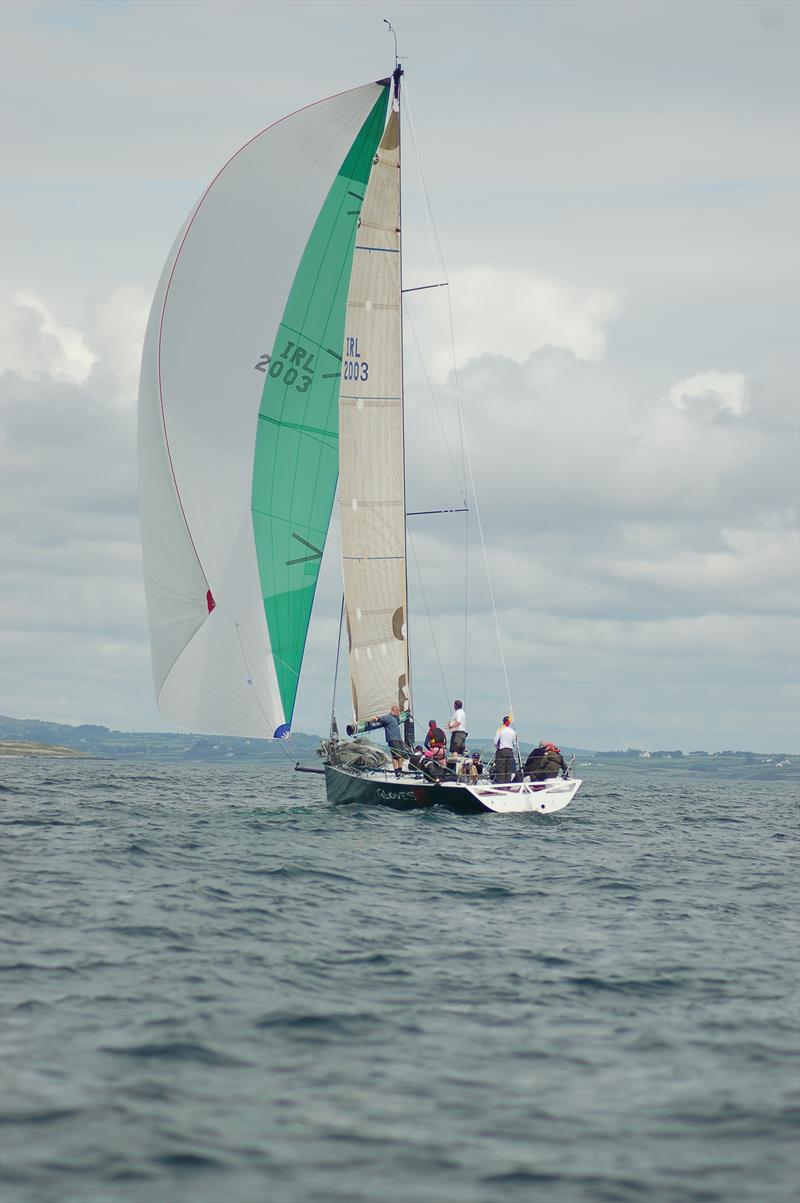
(435, 740)
(544, 762)
(457, 726)
(505, 758)
(391, 726)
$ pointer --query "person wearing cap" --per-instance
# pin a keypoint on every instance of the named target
(457, 726)
(417, 757)
(505, 741)
(475, 766)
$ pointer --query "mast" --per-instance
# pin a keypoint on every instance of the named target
(397, 75)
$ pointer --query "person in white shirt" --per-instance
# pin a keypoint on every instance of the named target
(457, 726)
(505, 761)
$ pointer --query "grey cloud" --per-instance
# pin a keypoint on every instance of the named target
(69, 453)
(570, 439)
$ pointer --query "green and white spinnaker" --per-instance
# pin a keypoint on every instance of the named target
(239, 418)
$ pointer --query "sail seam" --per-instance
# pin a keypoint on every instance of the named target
(282, 518)
(300, 428)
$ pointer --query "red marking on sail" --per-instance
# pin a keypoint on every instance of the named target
(210, 601)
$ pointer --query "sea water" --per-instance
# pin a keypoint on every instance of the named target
(217, 987)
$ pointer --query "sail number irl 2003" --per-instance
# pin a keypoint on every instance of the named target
(355, 368)
(294, 365)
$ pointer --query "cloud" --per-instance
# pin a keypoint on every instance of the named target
(559, 443)
(510, 313)
(74, 623)
(34, 341)
(117, 323)
(633, 543)
(106, 340)
(632, 572)
(725, 392)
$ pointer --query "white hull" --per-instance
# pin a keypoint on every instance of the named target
(540, 797)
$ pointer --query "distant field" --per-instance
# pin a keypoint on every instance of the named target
(29, 747)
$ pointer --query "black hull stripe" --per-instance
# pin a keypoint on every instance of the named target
(343, 787)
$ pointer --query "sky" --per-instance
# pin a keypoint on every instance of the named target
(614, 197)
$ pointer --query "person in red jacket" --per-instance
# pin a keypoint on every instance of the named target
(435, 743)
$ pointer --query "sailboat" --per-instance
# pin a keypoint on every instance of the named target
(272, 370)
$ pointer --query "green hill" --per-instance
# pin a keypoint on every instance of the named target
(91, 740)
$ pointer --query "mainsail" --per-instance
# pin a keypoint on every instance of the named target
(238, 415)
(371, 486)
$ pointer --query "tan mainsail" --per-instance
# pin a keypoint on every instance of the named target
(371, 484)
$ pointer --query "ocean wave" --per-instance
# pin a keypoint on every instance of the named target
(175, 1050)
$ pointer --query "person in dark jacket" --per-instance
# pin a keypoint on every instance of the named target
(544, 762)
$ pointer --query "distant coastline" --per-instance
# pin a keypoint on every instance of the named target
(32, 737)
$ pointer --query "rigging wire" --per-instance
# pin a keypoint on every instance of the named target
(460, 481)
(466, 598)
(432, 232)
(336, 669)
(430, 620)
(467, 458)
(393, 32)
